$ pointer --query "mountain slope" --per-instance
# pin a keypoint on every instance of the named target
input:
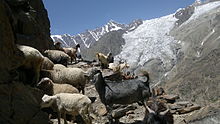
(109, 42)
(196, 76)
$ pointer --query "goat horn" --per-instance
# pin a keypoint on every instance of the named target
(150, 110)
(164, 112)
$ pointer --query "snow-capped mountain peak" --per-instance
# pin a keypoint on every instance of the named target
(86, 39)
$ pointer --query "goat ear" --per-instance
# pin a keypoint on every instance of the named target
(150, 110)
(164, 112)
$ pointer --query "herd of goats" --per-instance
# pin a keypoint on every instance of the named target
(63, 86)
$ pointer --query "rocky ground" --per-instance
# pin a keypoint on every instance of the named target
(183, 111)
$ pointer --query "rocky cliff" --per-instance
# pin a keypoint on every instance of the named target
(21, 22)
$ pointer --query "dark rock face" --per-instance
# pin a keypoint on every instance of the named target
(20, 104)
(20, 24)
(184, 14)
(10, 57)
(31, 24)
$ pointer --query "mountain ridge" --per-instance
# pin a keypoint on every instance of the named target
(89, 37)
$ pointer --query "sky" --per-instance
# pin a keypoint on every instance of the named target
(77, 16)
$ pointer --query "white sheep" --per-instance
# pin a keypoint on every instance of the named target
(32, 63)
(66, 103)
(73, 76)
(47, 64)
(103, 60)
(50, 88)
(57, 57)
(58, 67)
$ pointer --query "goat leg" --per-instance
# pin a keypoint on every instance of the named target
(109, 114)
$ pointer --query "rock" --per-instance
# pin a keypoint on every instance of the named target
(169, 98)
(183, 103)
(188, 109)
(174, 106)
(207, 115)
(158, 91)
(184, 14)
(101, 110)
(118, 113)
(20, 105)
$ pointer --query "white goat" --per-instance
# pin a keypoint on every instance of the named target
(66, 103)
(103, 60)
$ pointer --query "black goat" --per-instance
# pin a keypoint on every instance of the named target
(158, 117)
(123, 92)
(157, 112)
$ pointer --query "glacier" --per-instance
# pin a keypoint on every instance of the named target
(150, 40)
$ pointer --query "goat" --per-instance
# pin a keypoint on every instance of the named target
(69, 51)
(123, 92)
(72, 52)
(103, 60)
(158, 115)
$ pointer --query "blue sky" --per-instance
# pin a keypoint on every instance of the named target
(76, 16)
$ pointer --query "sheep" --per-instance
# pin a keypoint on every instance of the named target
(123, 92)
(50, 88)
(47, 64)
(31, 65)
(57, 57)
(103, 61)
(66, 103)
(73, 76)
(58, 67)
